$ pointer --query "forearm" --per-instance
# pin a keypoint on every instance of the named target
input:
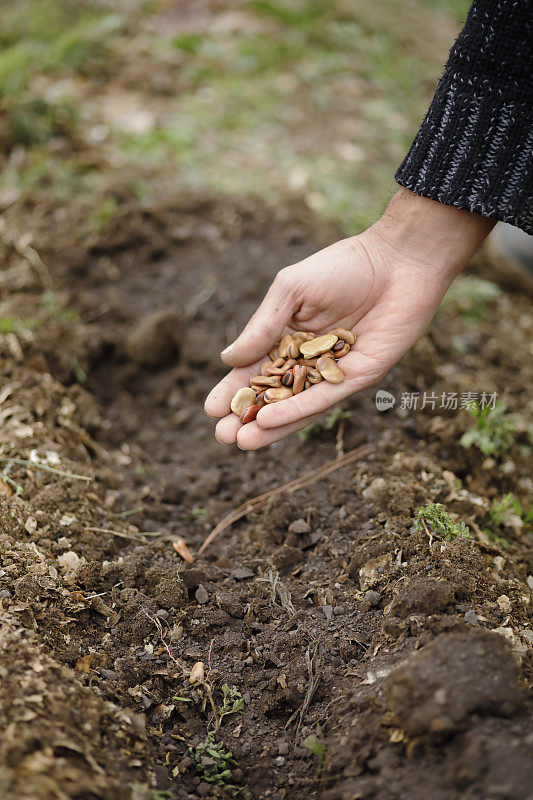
(438, 235)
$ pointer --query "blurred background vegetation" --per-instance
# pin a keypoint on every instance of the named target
(319, 98)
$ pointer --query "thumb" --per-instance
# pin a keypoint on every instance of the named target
(265, 327)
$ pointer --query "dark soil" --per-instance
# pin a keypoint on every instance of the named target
(382, 644)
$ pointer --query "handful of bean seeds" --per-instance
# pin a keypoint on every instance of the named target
(295, 363)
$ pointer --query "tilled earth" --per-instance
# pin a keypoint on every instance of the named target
(407, 657)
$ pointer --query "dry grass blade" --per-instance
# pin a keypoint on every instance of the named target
(135, 537)
(298, 483)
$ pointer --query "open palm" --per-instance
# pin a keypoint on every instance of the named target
(363, 284)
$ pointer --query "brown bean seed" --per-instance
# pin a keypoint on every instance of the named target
(293, 350)
(260, 399)
(196, 674)
(330, 370)
(250, 413)
(341, 351)
(313, 375)
(264, 366)
(287, 378)
(242, 399)
(283, 345)
(346, 335)
(317, 346)
(307, 384)
(276, 367)
(300, 374)
(273, 354)
(289, 364)
(308, 362)
(264, 380)
(275, 395)
(305, 336)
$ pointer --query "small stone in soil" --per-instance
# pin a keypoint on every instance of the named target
(201, 595)
(299, 526)
(471, 617)
(242, 573)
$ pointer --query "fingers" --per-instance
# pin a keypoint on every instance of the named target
(252, 437)
(360, 372)
(265, 327)
(229, 430)
(218, 400)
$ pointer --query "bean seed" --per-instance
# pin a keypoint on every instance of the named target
(275, 395)
(264, 380)
(341, 351)
(293, 350)
(264, 366)
(308, 362)
(329, 370)
(242, 399)
(181, 549)
(345, 334)
(307, 384)
(260, 399)
(300, 374)
(287, 378)
(313, 375)
(283, 345)
(289, 364)
(305, 336)
(273, 354)
(317, 346)
(197, 672)
(250, 413)
(273, 369)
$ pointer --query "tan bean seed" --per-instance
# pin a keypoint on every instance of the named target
(318, 346)
(307, 384)
(275, 395)
(274, 368)
(346, 335)
(308, 362)
(287, 378)
(329, 370)
(293, 350)
(283, 345)
(197, 672)
(300, 374)
(341, 351)
(260, 399)
(242, 399)
(264, 380)
(305, 336)
(313, 375)
(264, 366)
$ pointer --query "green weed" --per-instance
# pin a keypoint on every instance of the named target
(330, 422)
(500, 516)
(213, 762)
(316, 746)
(434, 520)
(55, 310)
(493, 431)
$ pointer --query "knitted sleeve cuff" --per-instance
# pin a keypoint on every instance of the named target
(474, 151)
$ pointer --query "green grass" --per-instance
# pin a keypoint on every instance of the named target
(493, 431)
(434, 520)
(307, 96)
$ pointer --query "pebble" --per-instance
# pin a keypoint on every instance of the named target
(279, 761)
(471, 617)
(201, 595)
(283, 747)
(299, 526)
(242, 573)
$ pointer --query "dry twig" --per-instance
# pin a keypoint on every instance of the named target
(305, 480)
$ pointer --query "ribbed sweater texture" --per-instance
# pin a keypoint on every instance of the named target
(474, 149)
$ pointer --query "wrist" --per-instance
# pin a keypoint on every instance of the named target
(432, 233)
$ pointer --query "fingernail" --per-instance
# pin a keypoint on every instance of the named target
(227, 349)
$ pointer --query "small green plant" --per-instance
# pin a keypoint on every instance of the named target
(501, 515)
(196, 513)
(232, 703)
(434, 520)
(213, 762)
(316, 746)
(331, 420)
(493, 431)
(54, 309)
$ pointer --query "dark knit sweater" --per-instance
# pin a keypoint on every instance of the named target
(474, 148)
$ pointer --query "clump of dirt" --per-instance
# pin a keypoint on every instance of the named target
(330, 614)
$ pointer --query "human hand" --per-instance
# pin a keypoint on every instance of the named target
(384, 284)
